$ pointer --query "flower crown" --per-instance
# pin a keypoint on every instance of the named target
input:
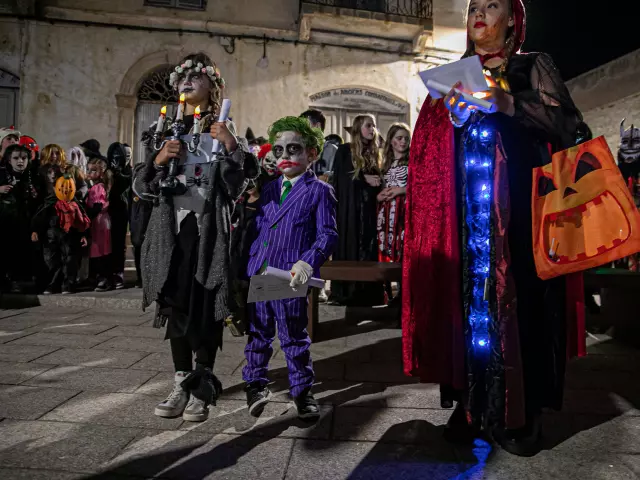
(188, 66)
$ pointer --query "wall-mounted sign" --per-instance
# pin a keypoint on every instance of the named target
(363, 99)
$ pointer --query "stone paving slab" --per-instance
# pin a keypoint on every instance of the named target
(397, 425)
(29, 403)
(93, 379)
(115, 409)
(162, 362)
(162, 383)
(20, 322)
(314, 459)
(15, 373)
(31, 474)
(23, 353)
(59, 340)
(60, 446)
(278, 419)
(79, 326)
(178, 455)
(6, 336)
(138, 344)
(92, 358)
(133, 331)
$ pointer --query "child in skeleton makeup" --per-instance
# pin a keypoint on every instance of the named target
(185, 254)
(18, 202)
(296, 231)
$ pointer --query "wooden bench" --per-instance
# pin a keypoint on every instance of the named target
(347, 271)
(620, 306)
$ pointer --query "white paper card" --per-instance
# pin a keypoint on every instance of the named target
(274, 284)
(468, 71)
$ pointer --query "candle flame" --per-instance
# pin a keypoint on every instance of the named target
(182, 98)
(480, 94)
(197, 112)
(163, 110)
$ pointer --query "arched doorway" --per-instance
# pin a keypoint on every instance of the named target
(9, 99)
(153, 93)
(341, 105)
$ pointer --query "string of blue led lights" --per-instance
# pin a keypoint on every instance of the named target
(479, 170)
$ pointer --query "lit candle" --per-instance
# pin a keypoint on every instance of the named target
(161, 118)
(180, 108)
(196, 120)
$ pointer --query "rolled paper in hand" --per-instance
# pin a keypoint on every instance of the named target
(442, 90)
(224, 115)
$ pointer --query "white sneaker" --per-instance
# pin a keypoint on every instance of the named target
(196, 411)
(175, 403)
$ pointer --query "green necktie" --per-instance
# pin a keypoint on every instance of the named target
(287, 191)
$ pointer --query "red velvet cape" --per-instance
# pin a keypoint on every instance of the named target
(432, 316)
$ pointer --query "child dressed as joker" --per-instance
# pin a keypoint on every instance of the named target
(297, 231)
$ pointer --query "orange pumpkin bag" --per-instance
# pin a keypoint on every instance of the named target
(583, 213)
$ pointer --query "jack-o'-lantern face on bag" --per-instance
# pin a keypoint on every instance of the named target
(583, 214)
(65, 188)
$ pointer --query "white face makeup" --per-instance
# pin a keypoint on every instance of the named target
(293, 157)
(19, 161)
(128, 152)
(196, 88)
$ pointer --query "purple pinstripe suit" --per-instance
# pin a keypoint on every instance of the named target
(303, 228)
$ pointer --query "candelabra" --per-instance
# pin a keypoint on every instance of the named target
(171, 185)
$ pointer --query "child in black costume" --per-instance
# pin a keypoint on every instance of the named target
(18, 203)
(59, 226)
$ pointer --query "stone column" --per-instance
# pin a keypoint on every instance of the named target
(126, 117)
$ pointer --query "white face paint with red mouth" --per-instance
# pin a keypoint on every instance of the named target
(292, 155)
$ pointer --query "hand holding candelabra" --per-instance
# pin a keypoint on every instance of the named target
(170, 148)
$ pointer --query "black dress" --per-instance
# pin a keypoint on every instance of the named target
(526, 344)
(357, 229)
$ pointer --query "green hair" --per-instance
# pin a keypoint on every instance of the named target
(311, 137)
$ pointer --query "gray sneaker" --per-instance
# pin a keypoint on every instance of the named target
(175, 403)
(196, 411)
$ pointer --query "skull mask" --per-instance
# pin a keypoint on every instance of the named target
(629, 150)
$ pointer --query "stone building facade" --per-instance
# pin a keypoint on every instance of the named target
(608, 94)
(77, 69)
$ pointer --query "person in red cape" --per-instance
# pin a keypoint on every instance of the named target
(476, 317)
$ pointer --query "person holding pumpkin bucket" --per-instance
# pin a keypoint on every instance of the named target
(477, 319)
(60, 225)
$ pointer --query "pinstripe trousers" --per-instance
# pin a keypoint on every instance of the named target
(290, 316)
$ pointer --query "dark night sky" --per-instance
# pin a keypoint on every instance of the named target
(582, 34)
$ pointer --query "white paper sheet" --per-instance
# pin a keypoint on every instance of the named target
(274, 284)
(468, 71)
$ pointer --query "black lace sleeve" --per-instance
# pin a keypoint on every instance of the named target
(548, 107)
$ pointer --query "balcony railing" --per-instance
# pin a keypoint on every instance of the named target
(407, 8)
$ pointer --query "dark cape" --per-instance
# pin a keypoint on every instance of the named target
(529, 320)
(208, 263)
(357, 229)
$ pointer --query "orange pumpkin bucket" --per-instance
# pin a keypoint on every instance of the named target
(65, 188)
(583, 213)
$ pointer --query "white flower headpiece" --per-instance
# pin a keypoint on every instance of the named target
(188, 66)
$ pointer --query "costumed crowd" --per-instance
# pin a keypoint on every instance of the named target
(453, 204)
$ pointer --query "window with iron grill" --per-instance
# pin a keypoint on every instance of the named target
(182, 4)
(407, 8)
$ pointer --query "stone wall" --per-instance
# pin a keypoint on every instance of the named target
(71, 75)
(608, 94)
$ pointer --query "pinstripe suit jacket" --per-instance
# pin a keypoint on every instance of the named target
(302, 228)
